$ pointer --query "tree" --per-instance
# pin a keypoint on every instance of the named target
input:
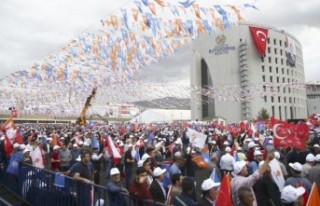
(263, 114)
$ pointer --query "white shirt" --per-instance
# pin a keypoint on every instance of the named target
(226, 162)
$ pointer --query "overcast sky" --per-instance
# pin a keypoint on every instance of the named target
(32, 29)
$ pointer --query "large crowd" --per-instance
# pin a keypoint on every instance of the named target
(132, 157)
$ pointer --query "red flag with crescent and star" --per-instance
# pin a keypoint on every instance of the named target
(259, 36)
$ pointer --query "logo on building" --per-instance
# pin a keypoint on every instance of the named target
(221, 39)
(221, 46)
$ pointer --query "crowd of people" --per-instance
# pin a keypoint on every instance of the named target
(132, 158)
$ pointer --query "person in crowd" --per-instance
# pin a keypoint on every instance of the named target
(316, 149)
(26, 157)
(96, 163)
(128, 164)
(246, 197)
(209, 190)
(292, 196)
(314, 172)
(75, 152)
(83, 175)
(241, 154)
(213, 165)
(226, 162)
(115, 189)
(266, 190)
(282, 166)
(186, 198)
(241, 179)
(156, 189)
(139, 188)
(251, 148)
(65, 158)
(175, 187)
(310, 161)
(254, 165)
(296, 179)
(55, 161)
(176, 166)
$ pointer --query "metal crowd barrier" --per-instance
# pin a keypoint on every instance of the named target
(3, 202)
(41, 187)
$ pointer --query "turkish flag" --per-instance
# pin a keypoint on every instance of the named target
(259, 36)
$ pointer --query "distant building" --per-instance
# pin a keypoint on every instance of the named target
(313, 99)
(264, 63)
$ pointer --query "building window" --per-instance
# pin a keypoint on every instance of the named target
(281, 61)
(280, 115)
(262, 68)
(265, 98)
(288, 80)
(272, 99)
(269, 59)
(264, 88)
(272, 109)
(275, 42)
(289, 91)
(277, 70)
(281, 52)
(270, 69)
(275, 51)
(279, 99)
(263, 78)
(262, 58)
(269, 50)
(271, 79)
(282, 70)
(287, 71)
(284, 90)
(285, 99)
(278, 79)
(268, 40)
(280, 42)
(290, 100)
(283, 80)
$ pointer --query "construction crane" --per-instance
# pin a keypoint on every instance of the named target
(82, 119)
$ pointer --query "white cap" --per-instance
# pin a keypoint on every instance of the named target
(2, 138)
(16, 145)
(56, 147)
(145, 157)
(140, 163)
(48, 139)
(25, 151)
(75, 145)
(310, 158)
(238, 166)
(226, 143)
(158, 171)
(277, 155)
(80, 143)
(177, 154)
(318, 157)
(296, 166)
(22, 146)
(247, 140)
(316, 145)
(178, 141)
(257, 153)
(239, 148)
(114, 171)
(252, 144)
(261, 163)
(290, 194)
(228, 149)
(208, 184)
(270, 141)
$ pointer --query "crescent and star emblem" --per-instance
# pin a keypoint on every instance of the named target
(261, 35)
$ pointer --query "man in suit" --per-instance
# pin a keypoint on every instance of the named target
(209, 192)
(156, 189)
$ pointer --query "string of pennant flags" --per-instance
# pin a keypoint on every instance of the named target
(140, 33)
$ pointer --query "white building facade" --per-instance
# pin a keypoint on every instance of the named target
(265, 63)
(313, 99)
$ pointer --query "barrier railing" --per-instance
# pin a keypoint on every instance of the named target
(40, 187)
(3, 202)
